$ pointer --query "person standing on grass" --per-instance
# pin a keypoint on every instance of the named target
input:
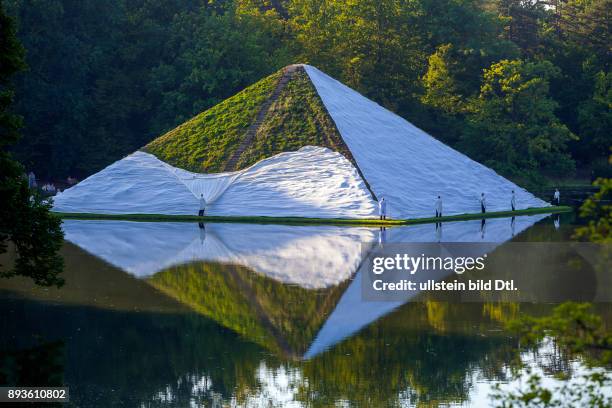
(513, 201)
(556, 197)
(483, 203)
(202, 206)
(382, 209)
(439, 207)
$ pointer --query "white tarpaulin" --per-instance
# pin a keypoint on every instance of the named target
(311, 182)
(407, 166)
(211, 186)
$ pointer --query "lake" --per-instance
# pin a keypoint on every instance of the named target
(181, 314)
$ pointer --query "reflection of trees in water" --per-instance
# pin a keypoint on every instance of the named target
(426, 351)
(117, 357)
(37, 365)
(406, 354)
(129, 357)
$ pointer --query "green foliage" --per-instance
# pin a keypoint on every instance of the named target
(513, 127)
(440, 88)
(105, 78)
(575, 328)
(598, 212)
(586, 392)
(25, 221)
(595, 117)
(206, 142)
(381, 47)
(577, 332)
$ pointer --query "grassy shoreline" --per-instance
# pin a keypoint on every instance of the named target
(373, 222)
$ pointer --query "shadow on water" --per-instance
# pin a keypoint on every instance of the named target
(175, 314)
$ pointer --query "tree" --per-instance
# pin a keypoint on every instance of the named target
(512, 122)
(441, 95)
(595, 121)
(523, 23)
(598, 212)
(25, 221)
(439, 83)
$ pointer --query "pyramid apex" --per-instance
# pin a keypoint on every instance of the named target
(292, 67)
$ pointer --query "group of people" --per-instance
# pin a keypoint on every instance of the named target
(382, 204)
(49, 188)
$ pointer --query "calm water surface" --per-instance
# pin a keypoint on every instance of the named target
(176, 314)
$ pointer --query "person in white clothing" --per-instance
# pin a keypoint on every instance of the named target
(202, 206)
(513, 201)
(483, 203)
(556, 197)
(382, 209)
(439, 207)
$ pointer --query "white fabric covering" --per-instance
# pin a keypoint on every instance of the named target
(406, 165)
(211, 186)
(312, 182)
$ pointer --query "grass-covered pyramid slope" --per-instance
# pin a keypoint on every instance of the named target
(204, 143)
(280, 113)
(297, 118)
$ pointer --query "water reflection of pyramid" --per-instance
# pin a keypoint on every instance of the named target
(311, 257)
(287, 288)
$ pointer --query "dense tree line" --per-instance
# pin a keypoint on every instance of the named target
(27, 228)
(521, 85)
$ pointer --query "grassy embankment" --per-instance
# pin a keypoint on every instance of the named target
(374, 222)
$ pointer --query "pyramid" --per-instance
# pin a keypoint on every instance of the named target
(297, 143)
